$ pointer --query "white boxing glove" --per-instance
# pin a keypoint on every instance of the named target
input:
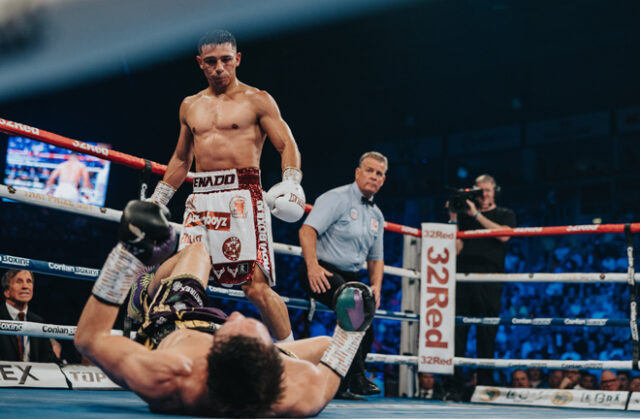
(286, 199)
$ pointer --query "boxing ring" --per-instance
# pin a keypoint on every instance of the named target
(19, 401)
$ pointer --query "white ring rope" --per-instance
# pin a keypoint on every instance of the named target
(48, 201)
(42, 330)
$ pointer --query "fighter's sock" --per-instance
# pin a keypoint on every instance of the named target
(342, 350)
(120, 270)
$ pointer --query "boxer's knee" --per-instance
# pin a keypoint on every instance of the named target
(256, 291)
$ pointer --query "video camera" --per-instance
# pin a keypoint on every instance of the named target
(458, 198)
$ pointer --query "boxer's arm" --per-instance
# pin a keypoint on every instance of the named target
(277, 130)
(182, 157)
(86, 182)
(52, 178)
(308, 389)
(129, 364)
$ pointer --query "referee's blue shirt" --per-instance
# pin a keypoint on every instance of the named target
(349, 230)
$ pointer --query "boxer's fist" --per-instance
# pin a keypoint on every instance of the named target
(286, 201)
(146, 233)
(355, 306)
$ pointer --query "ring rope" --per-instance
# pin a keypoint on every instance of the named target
(79, 272)
(15, 128)
(109, 214)
(42, 330)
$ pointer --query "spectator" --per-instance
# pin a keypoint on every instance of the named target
(588, 381)
(571, 379)
(634, 384)
(535, 378)
(480, 255)
(519, 379)
(555, 378)
(623, 379)
(609, 381)
(345, 229)
(429, 388)
(17, 287)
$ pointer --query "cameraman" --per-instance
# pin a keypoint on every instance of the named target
(480, 256)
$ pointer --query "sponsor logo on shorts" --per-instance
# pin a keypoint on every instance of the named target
(189, 239)
(12, 260)
(231, 248)
(238, 207)
(22, 127)
(233, 271)
(243, 268)
(218, 272)
(212, 220)
(263, 237)
(226, 179)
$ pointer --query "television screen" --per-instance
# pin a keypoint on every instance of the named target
(59, 172)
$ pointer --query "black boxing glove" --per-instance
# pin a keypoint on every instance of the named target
(146, 233)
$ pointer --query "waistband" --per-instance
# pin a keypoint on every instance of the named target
(223, 180)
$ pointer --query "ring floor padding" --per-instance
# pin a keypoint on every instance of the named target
(72, 404)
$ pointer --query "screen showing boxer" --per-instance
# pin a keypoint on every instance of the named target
(45, 168)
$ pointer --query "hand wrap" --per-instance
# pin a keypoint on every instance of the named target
(163, 193)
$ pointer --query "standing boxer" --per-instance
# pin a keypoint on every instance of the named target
(224, 128)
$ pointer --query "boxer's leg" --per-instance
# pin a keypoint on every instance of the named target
(272, 308)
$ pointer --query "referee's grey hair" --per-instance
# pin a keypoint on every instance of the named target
(376, 156)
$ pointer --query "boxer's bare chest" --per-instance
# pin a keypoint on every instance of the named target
(222, 115)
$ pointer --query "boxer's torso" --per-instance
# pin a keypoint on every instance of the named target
(225, 128)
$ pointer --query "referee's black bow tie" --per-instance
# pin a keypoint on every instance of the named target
(367, 202)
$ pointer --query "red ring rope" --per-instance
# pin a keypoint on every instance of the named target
(128, 160)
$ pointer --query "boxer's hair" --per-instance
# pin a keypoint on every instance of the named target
(376, 156)
(217, 37)
(8, 276)
(245, 377)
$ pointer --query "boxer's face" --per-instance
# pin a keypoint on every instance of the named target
(370, 176)
(237, 324)
(219, 63)
(20, 289)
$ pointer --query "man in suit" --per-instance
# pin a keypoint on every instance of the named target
(17, 287)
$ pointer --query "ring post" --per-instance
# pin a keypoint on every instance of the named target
(633, 297)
